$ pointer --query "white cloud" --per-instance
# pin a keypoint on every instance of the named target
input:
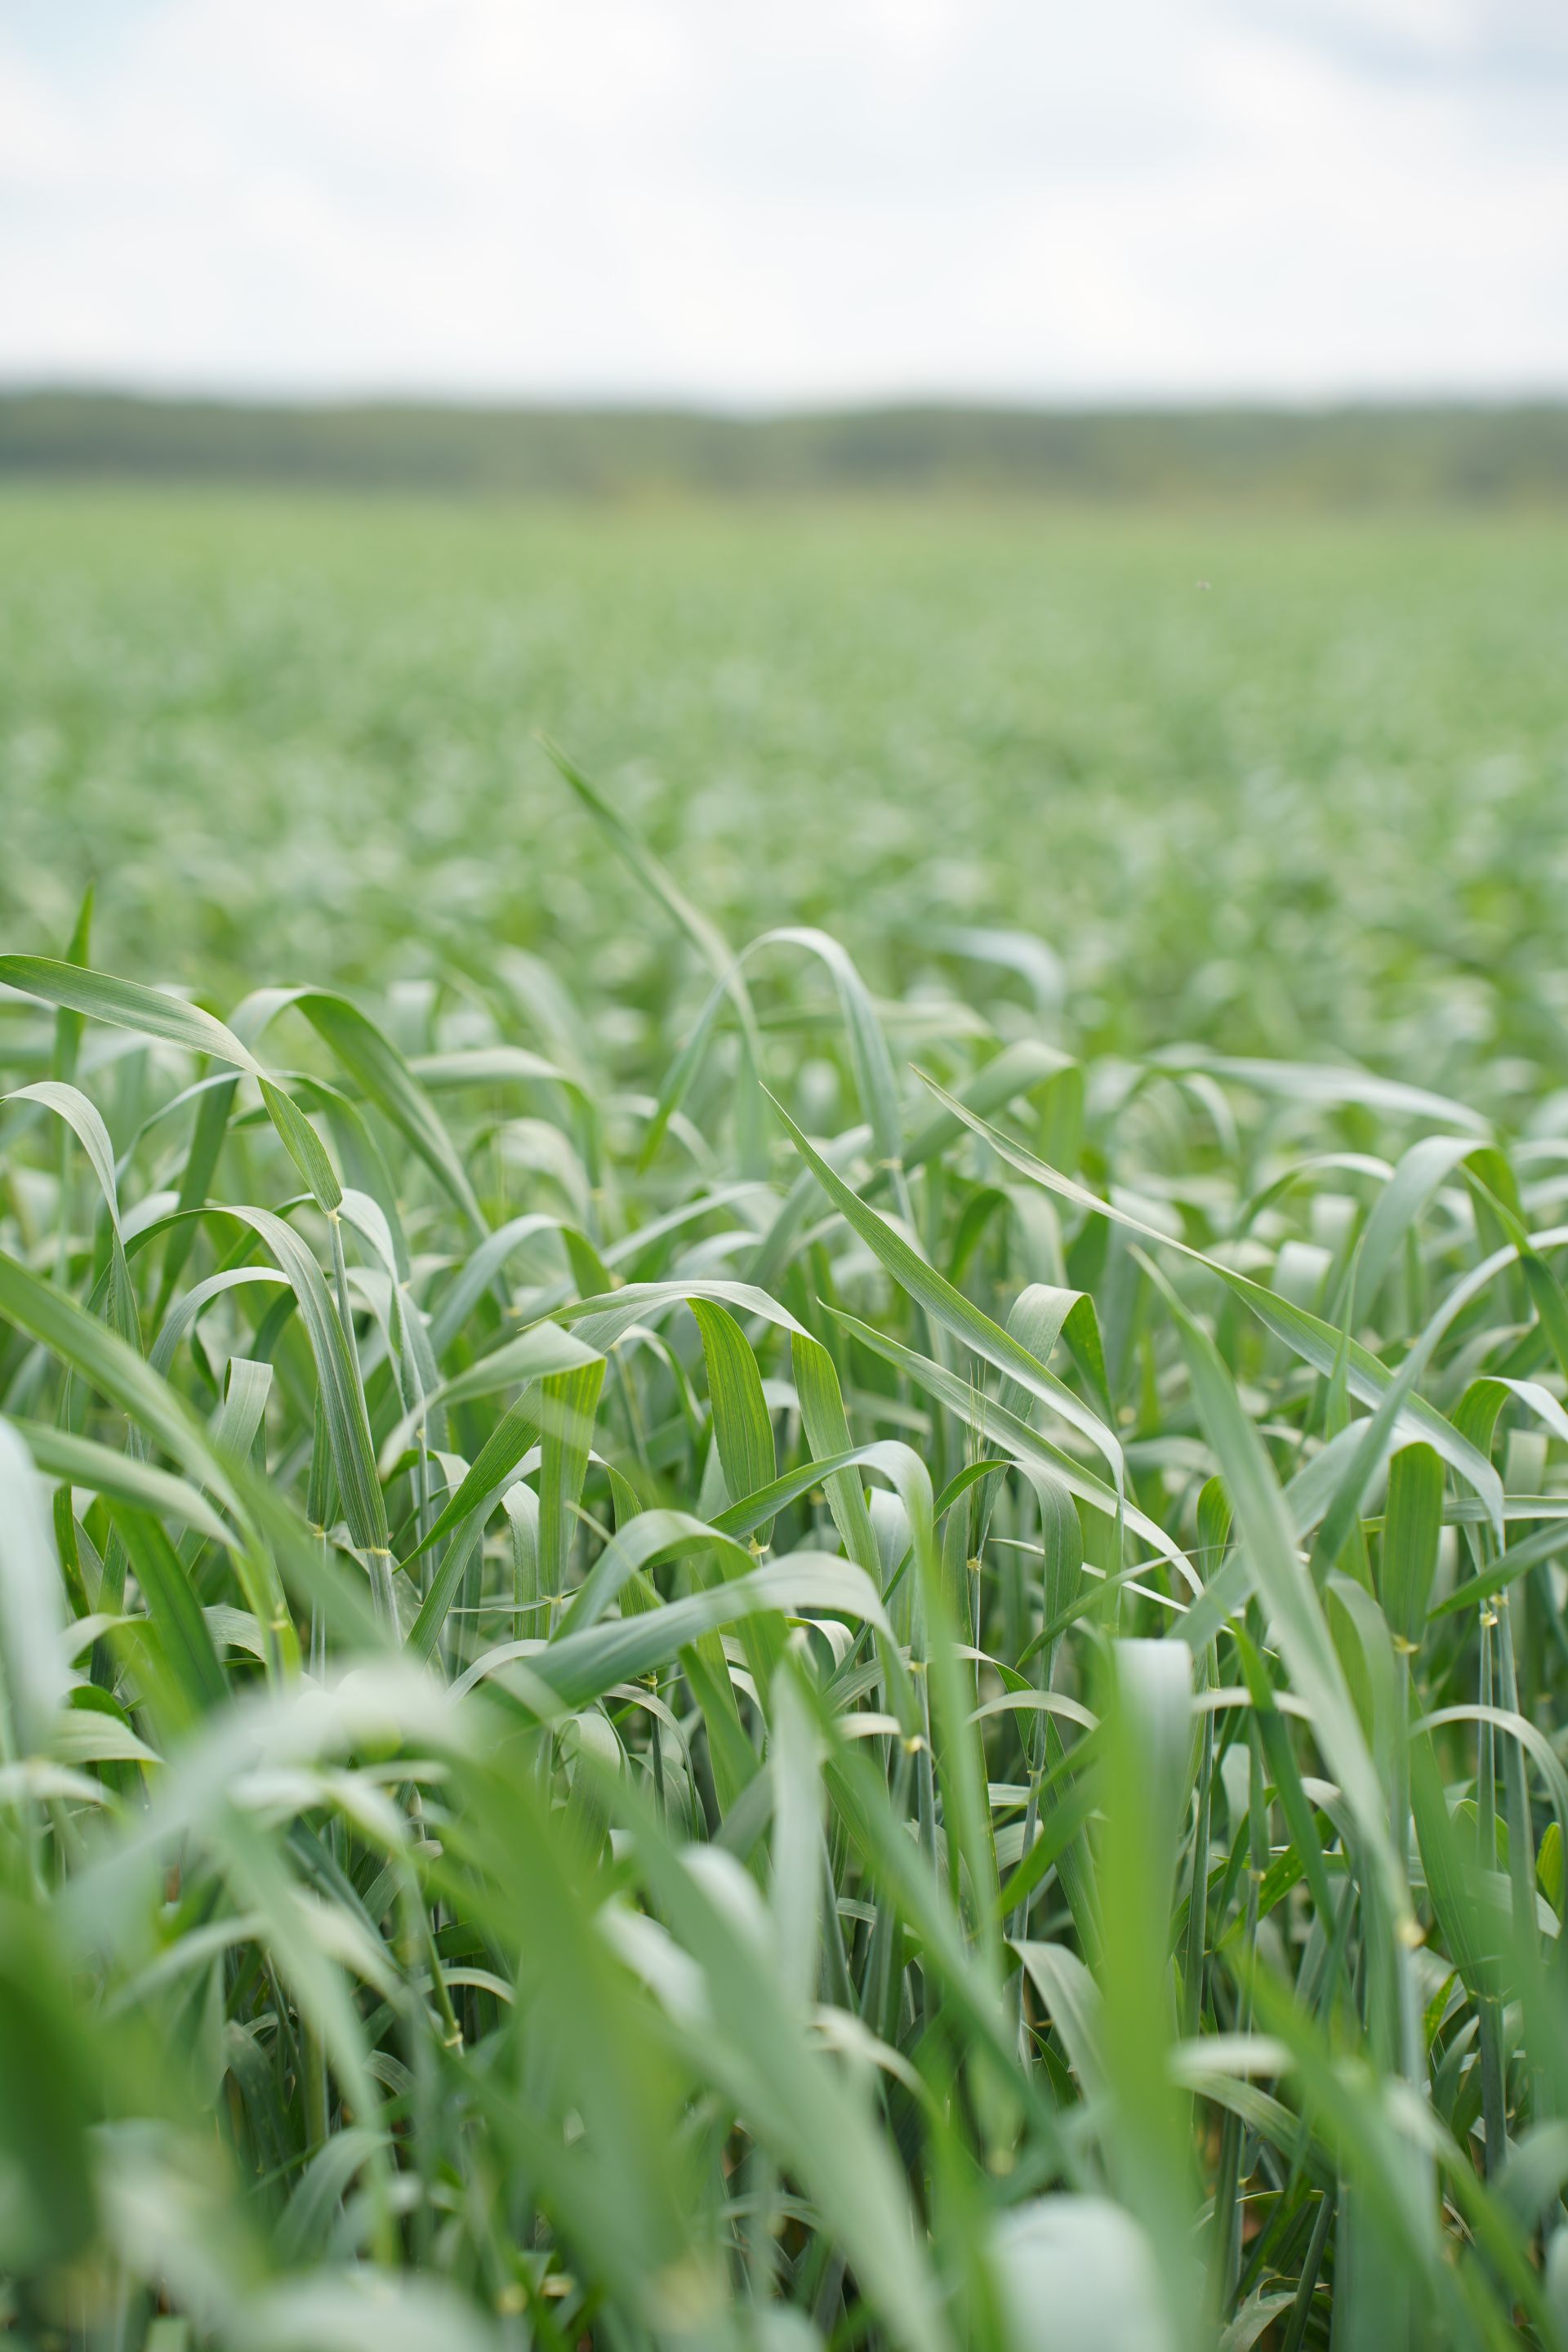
(839, 198)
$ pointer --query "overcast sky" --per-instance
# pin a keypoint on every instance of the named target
(805, 200)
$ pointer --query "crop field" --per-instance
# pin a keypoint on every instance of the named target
(783, 1469)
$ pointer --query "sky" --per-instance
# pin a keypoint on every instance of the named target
(810, 201)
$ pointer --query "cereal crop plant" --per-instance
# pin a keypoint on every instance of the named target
(819, 1702)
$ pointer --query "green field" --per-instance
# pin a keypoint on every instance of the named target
(1309, 805)
(858, 1644)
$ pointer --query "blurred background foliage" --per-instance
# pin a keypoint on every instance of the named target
(1284, 787)
(1377, 454)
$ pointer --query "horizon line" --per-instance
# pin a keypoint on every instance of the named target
(714, 409)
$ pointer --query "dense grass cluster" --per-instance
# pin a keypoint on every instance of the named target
(691, 1657)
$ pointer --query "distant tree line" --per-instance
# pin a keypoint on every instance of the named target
(1412, 456)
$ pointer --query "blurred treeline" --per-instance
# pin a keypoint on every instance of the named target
(1347, 456)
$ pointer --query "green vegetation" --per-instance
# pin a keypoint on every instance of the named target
(780, 1523)
(1352, 457)
(1310, 805)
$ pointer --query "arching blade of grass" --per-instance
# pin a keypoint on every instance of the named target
(374, 1062)
(869, 1057)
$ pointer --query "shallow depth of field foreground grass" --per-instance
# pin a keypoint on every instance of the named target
(693, 1657)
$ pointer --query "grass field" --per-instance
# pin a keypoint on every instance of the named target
(1308, 805)
(854, 1644)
